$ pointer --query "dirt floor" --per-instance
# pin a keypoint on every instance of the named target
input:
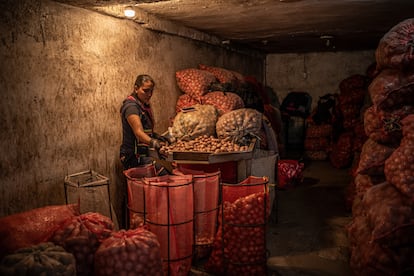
(309, 236)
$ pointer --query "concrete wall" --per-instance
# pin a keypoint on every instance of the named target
(315, 73)
(65, 72)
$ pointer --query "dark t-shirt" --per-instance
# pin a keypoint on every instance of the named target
(132, 105)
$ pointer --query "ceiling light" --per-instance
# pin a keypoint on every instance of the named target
(129, 12)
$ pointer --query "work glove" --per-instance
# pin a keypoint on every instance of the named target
(155, 144)
(161, 138)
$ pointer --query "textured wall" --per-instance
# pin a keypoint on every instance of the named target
(65, 72)
(323, 71)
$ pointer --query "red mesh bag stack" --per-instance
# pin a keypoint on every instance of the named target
(318, 141)
(194, 82)
(81, 236)
(342, 151)
(381, 233)
(223, 101)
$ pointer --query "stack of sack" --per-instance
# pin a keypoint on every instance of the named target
(216, 98)
(382, 230)
(59, 240)
(349, 135)
(319, 131)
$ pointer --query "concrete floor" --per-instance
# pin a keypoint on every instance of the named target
(309, 236)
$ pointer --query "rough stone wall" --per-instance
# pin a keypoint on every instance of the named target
(64, 73)
(315, 73)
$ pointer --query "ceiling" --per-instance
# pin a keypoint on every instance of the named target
(277, 26)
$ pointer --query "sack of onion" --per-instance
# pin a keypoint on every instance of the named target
(32, 227)
(129, 252)
(386, 209)
(240, 245)
(194, 82)
(368, 258)
(223, 101)
(82, 236)
(385, 127)
(223, 75)
(363, 182)
(395, 49)
(372, 158)
(342, 150)
(392, 89)
(185, 101)
(41, 259)
(399, 167)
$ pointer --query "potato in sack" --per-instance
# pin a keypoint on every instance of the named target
(197, 121)
(239, 123)
(41, 259)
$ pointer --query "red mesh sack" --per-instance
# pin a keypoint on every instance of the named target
(221, 74)
(169, 203)
(399, 167)
(396, 47)
(351, 83)
(240, 245)
(32, 227)
(355, 96)
(194, 82)
(129, 252)
(323, 130)
(360, 137)
(386, 209)
(239, 77)
(136, 194)
(223, 101)
(316, 144)
(185, 101)
(362, 183)
(373, 258)
(372, 158)
(350, 111)
(385, 127)
(370, 258)
(290, 173)
(341, 154)
(392, 89)
(81, 236)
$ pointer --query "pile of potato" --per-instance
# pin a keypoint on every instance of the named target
(205, 143)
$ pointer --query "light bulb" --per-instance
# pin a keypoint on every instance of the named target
(129, 12)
